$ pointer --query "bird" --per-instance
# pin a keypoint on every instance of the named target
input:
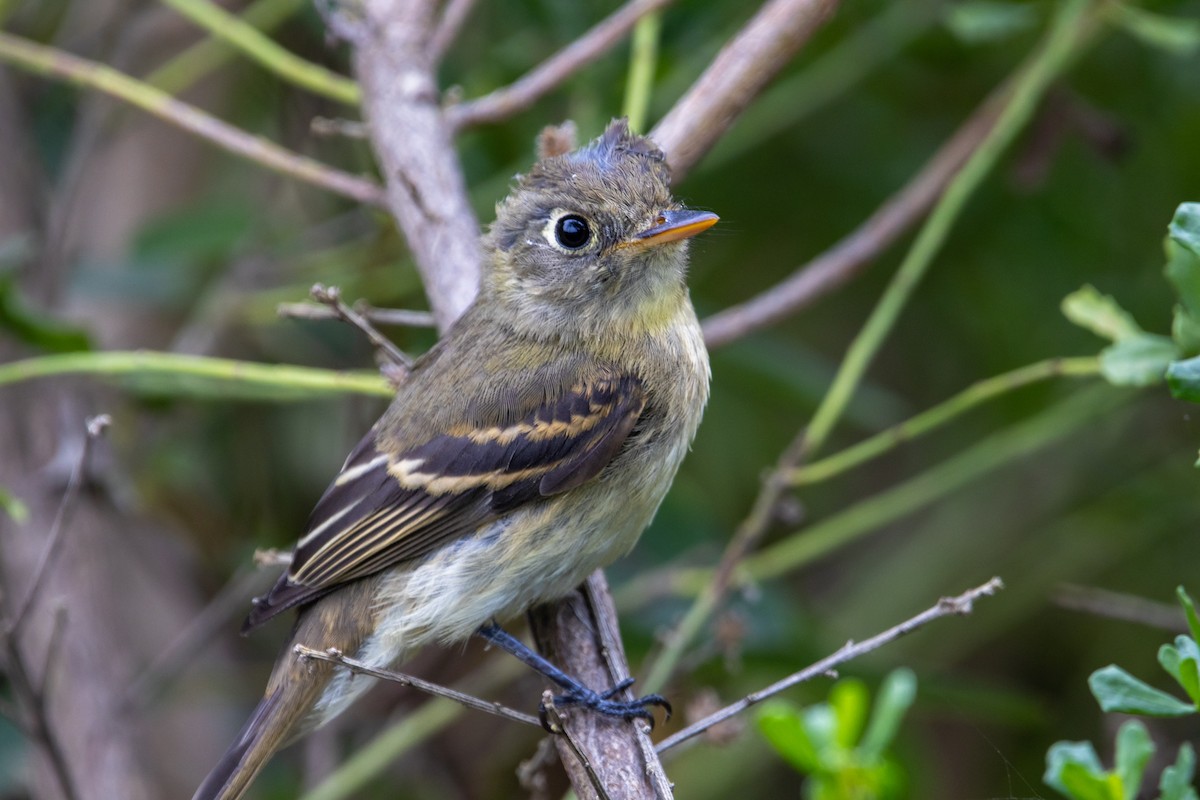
(531, 445)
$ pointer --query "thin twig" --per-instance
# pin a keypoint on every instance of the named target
(333, 656)
(93, 75)
(854, 252)
(526, 90)
(745, 65)
(946, 606)
(381, 316)
(452, 19)
(331, 296)
(94, 428)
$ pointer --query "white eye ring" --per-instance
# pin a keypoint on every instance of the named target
(568, 231)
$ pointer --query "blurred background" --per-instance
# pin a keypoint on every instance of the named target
(119, 232)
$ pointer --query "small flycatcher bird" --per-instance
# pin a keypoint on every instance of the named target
(530, 446)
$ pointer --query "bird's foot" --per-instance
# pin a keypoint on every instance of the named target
(602, 702)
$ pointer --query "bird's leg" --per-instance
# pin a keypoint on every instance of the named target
(575, 693)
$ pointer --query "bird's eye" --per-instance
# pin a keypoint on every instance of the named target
(572, 232)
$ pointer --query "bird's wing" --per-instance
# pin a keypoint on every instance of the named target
(387, 507)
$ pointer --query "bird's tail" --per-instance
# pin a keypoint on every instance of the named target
(265, 732)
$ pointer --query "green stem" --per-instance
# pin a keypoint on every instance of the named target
(197, 61)
(944, 412)
(1001, 448)
(1032, 80)
(805, 546)
(267, 52)
(56, 63)
(643, 58)
(175, 373)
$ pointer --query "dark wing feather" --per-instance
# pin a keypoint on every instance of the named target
(385, 508)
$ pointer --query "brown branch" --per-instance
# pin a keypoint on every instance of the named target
(334, 656)
(745, 65)
(424, 183)
(570, 633)
(82, 72)
(526, 90)
(946, 606)
(30, 693)
(331, 297)
(854, 252)
(447, 29)
(380, 316)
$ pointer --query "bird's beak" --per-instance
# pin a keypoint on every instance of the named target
(671, 226)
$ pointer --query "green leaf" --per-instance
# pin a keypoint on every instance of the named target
(1073, 768)
(980, 21)
(896, 696)
(17, 511)
(1141, 360)
(1178, 36)
(1117, 690)
(1100, 314)
(1134, 749)
(36, 328)
(1176, 780)
(783, 727)
(849, 702)
(1183, 271)
(1183, 378)
(1189, 610)
(1181, 662)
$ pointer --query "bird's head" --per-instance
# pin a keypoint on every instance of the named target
(593, 238)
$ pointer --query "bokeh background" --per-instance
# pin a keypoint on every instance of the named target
(120, 232)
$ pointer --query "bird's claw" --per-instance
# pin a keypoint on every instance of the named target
(603, 703)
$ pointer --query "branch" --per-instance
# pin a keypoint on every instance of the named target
(334, 656)
(857, 250)
(448, 27)
(946, 606)
(736, 76)
(331, 297)
(579, 635)
(55, 63)
(525, 91)
(381, 316)
(425, 189)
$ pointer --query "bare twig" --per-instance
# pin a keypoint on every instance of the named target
(30, 694)
(453, 17)
(82, 72)
(334, 656)
(946, 606)
(735, 77)
(94, 428)
(271, 557)
(526, 90)
(380, 316)
(854, 252)
(331, 296)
